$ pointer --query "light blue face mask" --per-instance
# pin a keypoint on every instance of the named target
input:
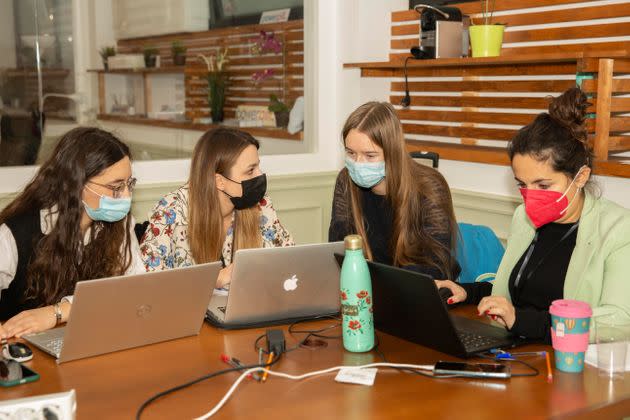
(109, 209)
(366, 174)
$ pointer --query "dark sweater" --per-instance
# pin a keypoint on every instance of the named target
(541, 282)
(378, 217)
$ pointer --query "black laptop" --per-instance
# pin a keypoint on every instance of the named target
(407, 305)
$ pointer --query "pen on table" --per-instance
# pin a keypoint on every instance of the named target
(234, 362)
(269, 359)
(549, 372)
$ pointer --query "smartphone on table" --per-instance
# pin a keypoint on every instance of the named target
(13, 373)
(475, 370)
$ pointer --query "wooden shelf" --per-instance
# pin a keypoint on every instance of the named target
(151, 70)
(548, 58)
(278, 133)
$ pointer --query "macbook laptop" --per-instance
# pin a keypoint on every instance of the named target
(279, 285)
(407, 305)
(118, 313)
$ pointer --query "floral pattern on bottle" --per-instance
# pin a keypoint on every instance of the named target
(352, 322)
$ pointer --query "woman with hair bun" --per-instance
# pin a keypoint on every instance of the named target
(565, 242)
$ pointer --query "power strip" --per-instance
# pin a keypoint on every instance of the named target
(61, 406)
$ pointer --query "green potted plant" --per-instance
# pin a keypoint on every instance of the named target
(280, 110)
(150, 56)
(178, 51)
(486, 38)
(105, 53)
(217, 82)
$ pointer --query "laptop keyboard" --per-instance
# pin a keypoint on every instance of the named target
(474, 341)
(54, 346)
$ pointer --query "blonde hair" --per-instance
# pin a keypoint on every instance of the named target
(216, 152)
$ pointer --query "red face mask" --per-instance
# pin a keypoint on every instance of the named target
(545, 206)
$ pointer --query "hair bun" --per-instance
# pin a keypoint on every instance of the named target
(569, 109)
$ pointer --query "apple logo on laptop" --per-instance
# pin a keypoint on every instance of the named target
(291, 284)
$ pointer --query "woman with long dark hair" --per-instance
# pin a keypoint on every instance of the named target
(565, 241)
(70, 224)
(222, 208)
(402, 210)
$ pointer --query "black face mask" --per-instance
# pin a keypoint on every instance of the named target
(253, 191)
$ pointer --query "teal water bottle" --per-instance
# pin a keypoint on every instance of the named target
(356, 298)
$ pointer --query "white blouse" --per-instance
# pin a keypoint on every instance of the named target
(48, 218)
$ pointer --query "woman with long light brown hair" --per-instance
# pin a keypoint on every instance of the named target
(222, 208)
(403, 210)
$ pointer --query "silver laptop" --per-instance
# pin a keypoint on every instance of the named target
(118, 313)
(275, 284)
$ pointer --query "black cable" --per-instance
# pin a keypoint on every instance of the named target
(309, 333)
(200, 379)
(377, 350)
(406, 100)
(534, 370)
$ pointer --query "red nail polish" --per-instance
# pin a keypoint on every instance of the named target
(494, 317)
(450, 301)
(487, 312)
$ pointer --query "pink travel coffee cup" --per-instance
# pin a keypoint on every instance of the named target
(570, 323)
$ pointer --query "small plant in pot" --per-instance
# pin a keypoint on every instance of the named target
(105, 53)
(178, 51)
(280, 109)
(486, 38)
(150, 56)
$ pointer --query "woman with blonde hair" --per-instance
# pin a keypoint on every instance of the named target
(222, 208)
(403, 210)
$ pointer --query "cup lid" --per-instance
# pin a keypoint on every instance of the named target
(570, 308)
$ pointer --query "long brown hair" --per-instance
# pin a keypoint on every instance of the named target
(60, 258)
(216, 152)
(418, 195)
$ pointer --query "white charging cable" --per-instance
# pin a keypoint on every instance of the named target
(221, 403)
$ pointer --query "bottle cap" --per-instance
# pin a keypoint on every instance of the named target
(353, 242)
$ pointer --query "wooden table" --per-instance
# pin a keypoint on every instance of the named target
(114, 385)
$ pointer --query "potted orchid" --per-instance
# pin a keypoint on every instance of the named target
(217, 82)
(265, 43)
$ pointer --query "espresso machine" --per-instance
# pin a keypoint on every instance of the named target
(442, 32)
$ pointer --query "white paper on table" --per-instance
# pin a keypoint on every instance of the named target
(591, 356)
(220, 292)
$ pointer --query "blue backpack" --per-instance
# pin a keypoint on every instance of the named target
(479, 253)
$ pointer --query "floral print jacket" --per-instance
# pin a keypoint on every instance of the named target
(165, 243)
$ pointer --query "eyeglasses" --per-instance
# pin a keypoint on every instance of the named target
(118, 189)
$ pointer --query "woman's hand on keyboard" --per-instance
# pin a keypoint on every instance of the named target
(459, 294)
(30, 321)
(499, 309)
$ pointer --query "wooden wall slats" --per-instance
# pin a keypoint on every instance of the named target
(551, 16)
(487, 86)
(475, 102)
(287, 81)
(469, 117)
(463, 124)
(499, 134)
(574, 32)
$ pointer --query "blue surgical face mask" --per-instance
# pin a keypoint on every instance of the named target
(366, 174)
(109, 209)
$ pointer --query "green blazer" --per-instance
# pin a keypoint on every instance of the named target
(599, 270)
